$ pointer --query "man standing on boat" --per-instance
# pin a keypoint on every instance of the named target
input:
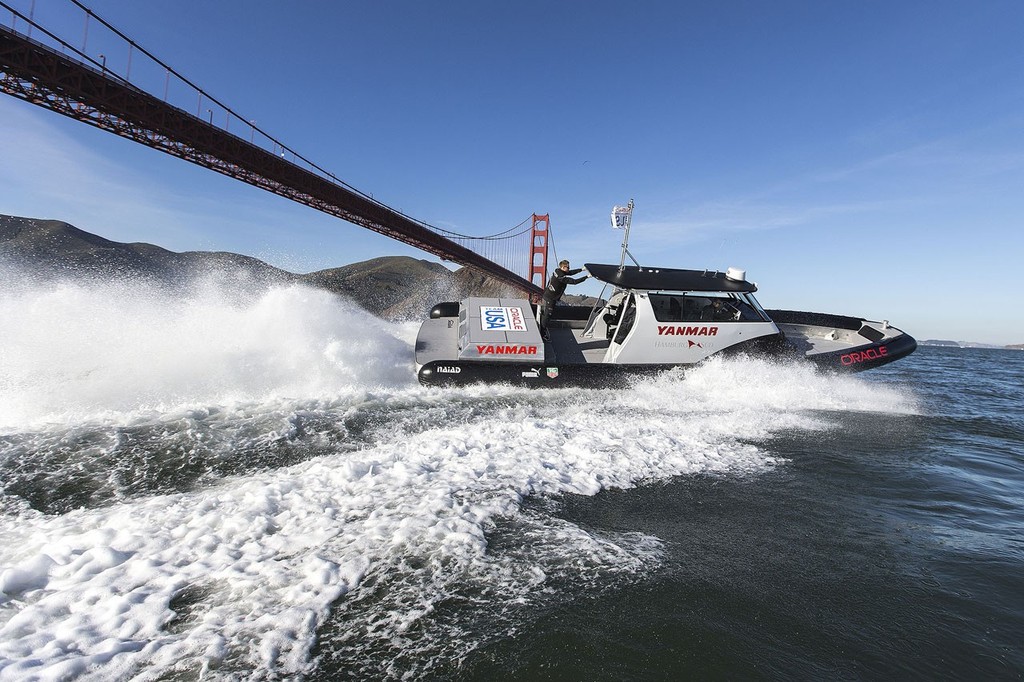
(559, 279)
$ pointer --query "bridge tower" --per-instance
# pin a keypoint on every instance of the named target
(539, 249)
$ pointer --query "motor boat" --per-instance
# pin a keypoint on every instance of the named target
(654, 319)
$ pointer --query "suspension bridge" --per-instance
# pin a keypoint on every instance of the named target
(77, 64)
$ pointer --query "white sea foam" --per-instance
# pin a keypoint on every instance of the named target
(238, 577)
(70, 351)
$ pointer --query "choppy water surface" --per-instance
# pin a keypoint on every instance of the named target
(252, 485)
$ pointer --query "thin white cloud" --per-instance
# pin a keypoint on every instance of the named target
(930, 174)
(931, 158)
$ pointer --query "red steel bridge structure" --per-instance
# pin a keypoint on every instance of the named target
(108, 81)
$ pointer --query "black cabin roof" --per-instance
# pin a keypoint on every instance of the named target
(667, 279)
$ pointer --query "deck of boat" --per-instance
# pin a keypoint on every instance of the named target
(567, 345)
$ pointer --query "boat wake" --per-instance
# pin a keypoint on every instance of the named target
(223, 482)
(74, 351)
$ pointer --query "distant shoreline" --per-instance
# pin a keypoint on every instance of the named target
(969, 345)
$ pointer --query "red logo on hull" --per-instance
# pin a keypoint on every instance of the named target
(863, 355)
(669, 330)
(506, 350)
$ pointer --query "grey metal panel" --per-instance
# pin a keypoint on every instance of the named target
(437, 340)
(499, 330)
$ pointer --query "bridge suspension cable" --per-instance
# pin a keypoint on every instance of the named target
(115, 91)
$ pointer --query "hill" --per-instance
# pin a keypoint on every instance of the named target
(393, 287)
(52, 248)
(400, 287)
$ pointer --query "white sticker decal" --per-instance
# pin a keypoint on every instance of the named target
(502, 319)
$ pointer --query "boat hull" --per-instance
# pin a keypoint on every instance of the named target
(867, 356)
(592, 375)
(597, 375)
(858, 345)
(498, 341)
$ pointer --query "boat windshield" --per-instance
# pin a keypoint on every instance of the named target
(704, 306)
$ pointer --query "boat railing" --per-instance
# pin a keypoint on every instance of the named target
(588, 331)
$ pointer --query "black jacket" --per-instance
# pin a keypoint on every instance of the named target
(559, 281)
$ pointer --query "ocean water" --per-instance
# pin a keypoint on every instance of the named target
(232, 482)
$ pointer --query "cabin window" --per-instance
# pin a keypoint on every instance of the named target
(749, 298)
(709, 306)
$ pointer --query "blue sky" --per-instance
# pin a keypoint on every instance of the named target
(860, 158)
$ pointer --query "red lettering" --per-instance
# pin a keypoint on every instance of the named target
(506, 350)
(666, 330)
(863, 356)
